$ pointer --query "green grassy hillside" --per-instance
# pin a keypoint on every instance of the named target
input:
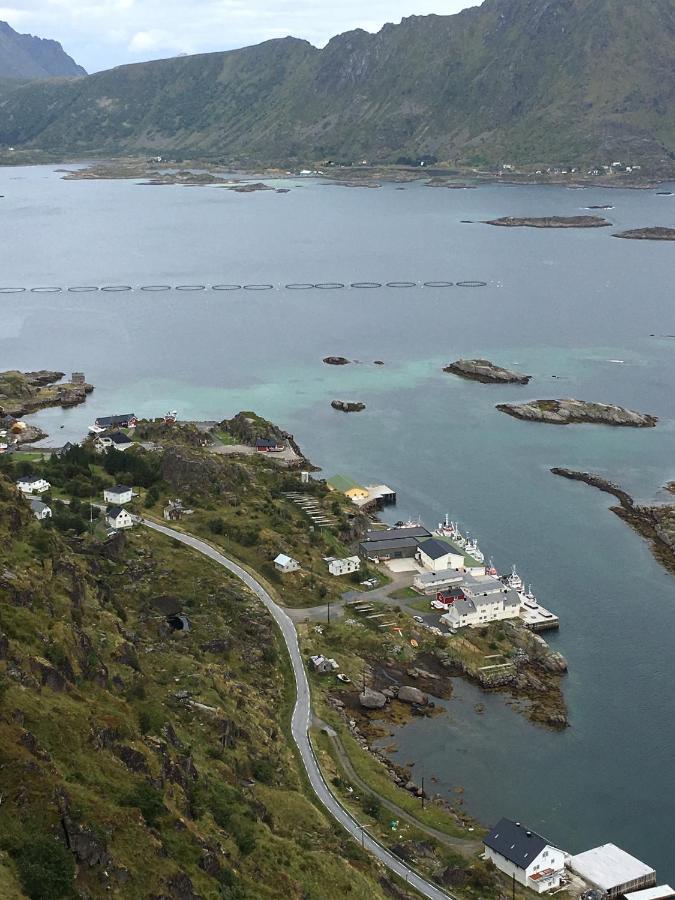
(139, 761)
(568, 81)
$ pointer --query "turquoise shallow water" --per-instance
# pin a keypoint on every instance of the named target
(556, 303)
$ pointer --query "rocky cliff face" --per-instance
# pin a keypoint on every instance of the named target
(23, 56)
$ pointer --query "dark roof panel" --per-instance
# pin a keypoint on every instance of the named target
(437, 549)
(515, 843)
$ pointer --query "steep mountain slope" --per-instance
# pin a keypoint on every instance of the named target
(137, 760)
(525, 80)
(23, 56)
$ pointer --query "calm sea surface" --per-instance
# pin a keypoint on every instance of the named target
(593, 311)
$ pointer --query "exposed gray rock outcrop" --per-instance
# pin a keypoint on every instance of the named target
(568, 412)
(486, 372)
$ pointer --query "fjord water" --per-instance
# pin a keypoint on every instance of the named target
(578, 305)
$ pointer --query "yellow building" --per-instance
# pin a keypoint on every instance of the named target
(343, 484)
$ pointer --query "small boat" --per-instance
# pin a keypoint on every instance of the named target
(95, 429)
(473, 550)
(491, 570)
(514, 581)
(170, 417)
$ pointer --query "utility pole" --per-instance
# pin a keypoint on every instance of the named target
(513, 886)
(328, 608)
(422, 791)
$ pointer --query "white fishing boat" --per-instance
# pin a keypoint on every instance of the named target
(170, 417)
(514, 581)
(95, 429)
(472, 549)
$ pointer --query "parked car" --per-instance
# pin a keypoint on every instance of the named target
(418, 619)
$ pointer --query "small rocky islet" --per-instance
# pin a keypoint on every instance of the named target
(657, 233)
(549, 222)
(576, 412)
(348, 406)
(486, 372)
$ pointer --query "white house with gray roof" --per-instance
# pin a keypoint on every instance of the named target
(437, 556)
(525, 856)
(482, 608)
(32, 484)
(40, 510)
(118, 494)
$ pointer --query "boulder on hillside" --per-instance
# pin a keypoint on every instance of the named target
(371, 699)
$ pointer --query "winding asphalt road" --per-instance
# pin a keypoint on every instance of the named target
(301, 718)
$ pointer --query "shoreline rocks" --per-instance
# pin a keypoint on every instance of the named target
(657, 233)
(348, 406)
(486, 372)
(574, 412)
(655, 523)
(550, 222)
(23, 393)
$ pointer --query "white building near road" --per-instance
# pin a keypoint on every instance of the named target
(118, 517)
(525, 856)
(612, 870)
(286, 564)
(437, 556)
(32, 484)
(343, 566)
(481, 609)
(118, 494)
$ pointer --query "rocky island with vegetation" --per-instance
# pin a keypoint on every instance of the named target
(574, 412)
(550, 222)
(22, 393)
(486, 372)
(657, 233)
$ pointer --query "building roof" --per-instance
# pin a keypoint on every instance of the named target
(283, 560)
(107, 421)
(391, 534)
(515, 843)
(445, 576)
(343, 483)
(664, 892)
(114, 511)
(119, 438)
(38, 506)
(117, 489)
(385, 546)
(29, 479)
(609, 867)
(266, 442)
(437, 549)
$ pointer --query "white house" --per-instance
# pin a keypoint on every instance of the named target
(432, 582)
(525, 856)
(118, 517)
(437, 556)
(481, 609)
(286, 564)
(32, 484)
(117, 441)
(343, 566)
(40, 510)
(118, 494)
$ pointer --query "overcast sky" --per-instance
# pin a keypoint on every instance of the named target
(99, 34)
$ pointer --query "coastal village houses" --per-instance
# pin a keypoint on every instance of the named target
(40, 510)
(125, 420)
(32, 484)
(343, 566)
(525, 856)
(118, 517)
(118, 494)
(285, 563)
(343, 484)
(268, 445)
(438, 556)
(485, 599)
